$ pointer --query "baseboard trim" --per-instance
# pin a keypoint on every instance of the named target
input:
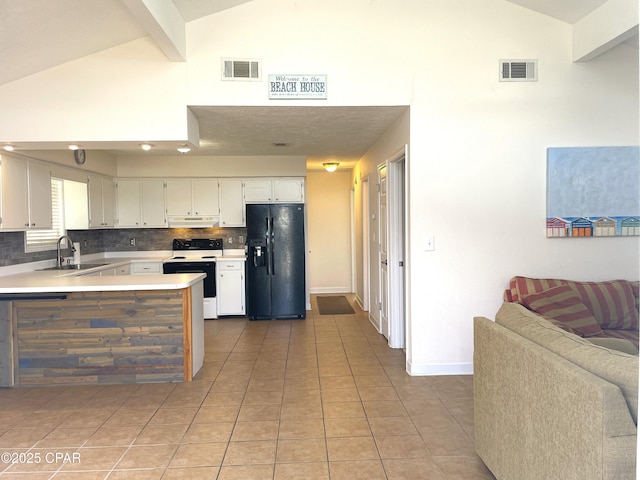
(375, 322)
(323, 290)
(360, 303)
(431, 369)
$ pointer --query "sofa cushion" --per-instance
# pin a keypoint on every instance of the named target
(616, 367)
(620, 344)
(562, 306)
(612, 303)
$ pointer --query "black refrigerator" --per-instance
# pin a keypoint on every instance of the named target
(275, 262)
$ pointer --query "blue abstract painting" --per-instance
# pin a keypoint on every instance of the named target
(593, 191)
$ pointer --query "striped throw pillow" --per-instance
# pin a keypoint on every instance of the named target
(563, 307)
(612, 303)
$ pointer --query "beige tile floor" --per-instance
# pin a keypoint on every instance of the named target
(322, 398)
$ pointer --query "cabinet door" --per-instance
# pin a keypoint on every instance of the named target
(258, 190)
(108, 202)
(153, 207)
(15, 203)
(231, 203)
(39, 196)
(129, 203)
(205, 197)
(179, 197)
(230, 288)
(94, 186)
(288, 190)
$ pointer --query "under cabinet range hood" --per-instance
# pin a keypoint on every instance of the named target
(193, 222)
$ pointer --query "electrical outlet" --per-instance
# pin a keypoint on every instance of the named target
(230, 240)
(132, 242)
(240, 239)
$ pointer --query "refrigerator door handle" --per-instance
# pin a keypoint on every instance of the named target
(273, 239)
(268, 244)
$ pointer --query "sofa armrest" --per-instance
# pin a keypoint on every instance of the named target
(537, 415)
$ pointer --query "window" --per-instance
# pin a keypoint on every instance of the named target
(41, 240)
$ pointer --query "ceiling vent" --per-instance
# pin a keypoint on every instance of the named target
(518, 70)
(241, 69)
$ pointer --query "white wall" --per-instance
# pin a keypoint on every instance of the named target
(329, 225)
(204, 166)
(477, 152)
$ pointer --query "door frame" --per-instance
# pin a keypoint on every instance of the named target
(397, 251)
(366, 238)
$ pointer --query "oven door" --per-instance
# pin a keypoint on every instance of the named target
(196, 267)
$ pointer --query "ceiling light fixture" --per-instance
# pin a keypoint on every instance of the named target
(145, 146)
(74, 147)
(184, 149)
(330, 166)
(9, 148)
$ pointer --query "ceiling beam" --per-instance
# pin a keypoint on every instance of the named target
(164, 24)
(607, 26)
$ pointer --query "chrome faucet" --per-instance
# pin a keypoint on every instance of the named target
(70, 246)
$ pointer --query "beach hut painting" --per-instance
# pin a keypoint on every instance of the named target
(593, 192)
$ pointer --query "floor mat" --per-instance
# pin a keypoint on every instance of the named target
(334, 305)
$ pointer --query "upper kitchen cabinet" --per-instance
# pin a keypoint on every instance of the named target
(141, 203)
(274, 190)
(26, 195)
(102, 201)
(288, 190)
(231, 203)
(192, 197)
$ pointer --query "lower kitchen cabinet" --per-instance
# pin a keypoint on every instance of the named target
(230, 292)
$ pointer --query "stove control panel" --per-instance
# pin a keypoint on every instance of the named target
(197, 244)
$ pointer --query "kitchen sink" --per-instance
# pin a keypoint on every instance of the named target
(80, 266)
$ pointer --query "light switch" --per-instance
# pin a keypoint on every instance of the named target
(429, 243)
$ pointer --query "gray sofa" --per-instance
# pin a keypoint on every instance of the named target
(549, 404)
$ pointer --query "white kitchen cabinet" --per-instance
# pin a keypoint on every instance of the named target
(230, 287)
(231, 203)
(102, 201)
(288, 190)
(152, 203)
(274, 190)
(26, 195)
(141, 203)
(146, 268)
(123, 269)
(192, 197)
(258, 190)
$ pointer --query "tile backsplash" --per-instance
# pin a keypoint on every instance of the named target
(116, 240)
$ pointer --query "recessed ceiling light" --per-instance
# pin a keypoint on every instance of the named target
(73, 147)
(184, 149)
(9, 148)
(145, 146)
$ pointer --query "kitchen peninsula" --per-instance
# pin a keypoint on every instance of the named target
(57, 329)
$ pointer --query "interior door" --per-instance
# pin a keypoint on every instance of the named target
(383, 250)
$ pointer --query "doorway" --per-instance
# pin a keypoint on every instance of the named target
(391, 248)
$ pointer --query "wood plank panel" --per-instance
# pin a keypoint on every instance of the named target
(102, 337)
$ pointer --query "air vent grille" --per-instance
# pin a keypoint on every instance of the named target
(241, 69)
(518, 70)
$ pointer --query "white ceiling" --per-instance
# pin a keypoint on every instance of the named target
(38, 34)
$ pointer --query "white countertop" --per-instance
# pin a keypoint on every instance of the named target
(36, 281)
(50, 281)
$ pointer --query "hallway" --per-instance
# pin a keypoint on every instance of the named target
(321, 398)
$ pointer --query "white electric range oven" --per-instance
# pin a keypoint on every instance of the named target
(197, 255)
